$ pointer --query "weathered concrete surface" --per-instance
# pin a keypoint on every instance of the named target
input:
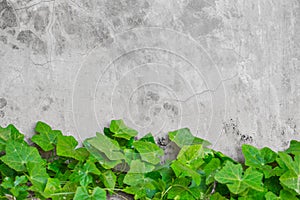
(227, 69)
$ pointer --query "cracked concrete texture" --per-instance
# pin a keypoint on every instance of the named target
(229, 70)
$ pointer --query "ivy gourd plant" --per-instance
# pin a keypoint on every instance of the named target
(50, 165)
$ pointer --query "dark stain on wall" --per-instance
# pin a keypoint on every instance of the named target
(231, 127)
(7, 15)
(32, 41)
(152, 96)
(3, 39)
(246, 138)
(73, 27)
(3, 103)
(197, 21)
(2, 114)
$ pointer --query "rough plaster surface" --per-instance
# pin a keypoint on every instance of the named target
(229, 70)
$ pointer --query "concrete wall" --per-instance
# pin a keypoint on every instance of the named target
(229, 70)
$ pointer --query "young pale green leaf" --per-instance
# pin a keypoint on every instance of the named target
(66, 147)
(148, 151)
(191, 156)
(184, 137)
(47, 138)
(109, 179)
(82, 194)
(109, 147)
(294, 147)
(258, 158)
(120, 130)
(232, 175)
(9, 133)
(182, 170)
(19, 154)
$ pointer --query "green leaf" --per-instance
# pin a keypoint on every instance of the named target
(17, 187)
(258, 158)
(105, 145)
(285, 194)
(232, 176)
(182, 170)
(109, 179)
(217, 196)
(19, 154)
(191, 156)
(82, 194)
(52, 186)
(253, 194)
(9, 133)
(66, 146)
(223, 157)
(138, 192)
(271, 196)
(131, 154)
(210, 170)
(101, 157)
(253, 179)
(37, 176)
(120, 130)
(148, 138)
(6, 171)
(294, 147)
(148, 151)
(184, 137)
(291, 178)
(20, 180)
(7, 183)
(180, 192)
(82, 173)
(47, 138)
(136, 173)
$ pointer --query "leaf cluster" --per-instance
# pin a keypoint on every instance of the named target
(52, 166)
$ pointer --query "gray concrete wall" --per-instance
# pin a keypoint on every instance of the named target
(229, 70)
